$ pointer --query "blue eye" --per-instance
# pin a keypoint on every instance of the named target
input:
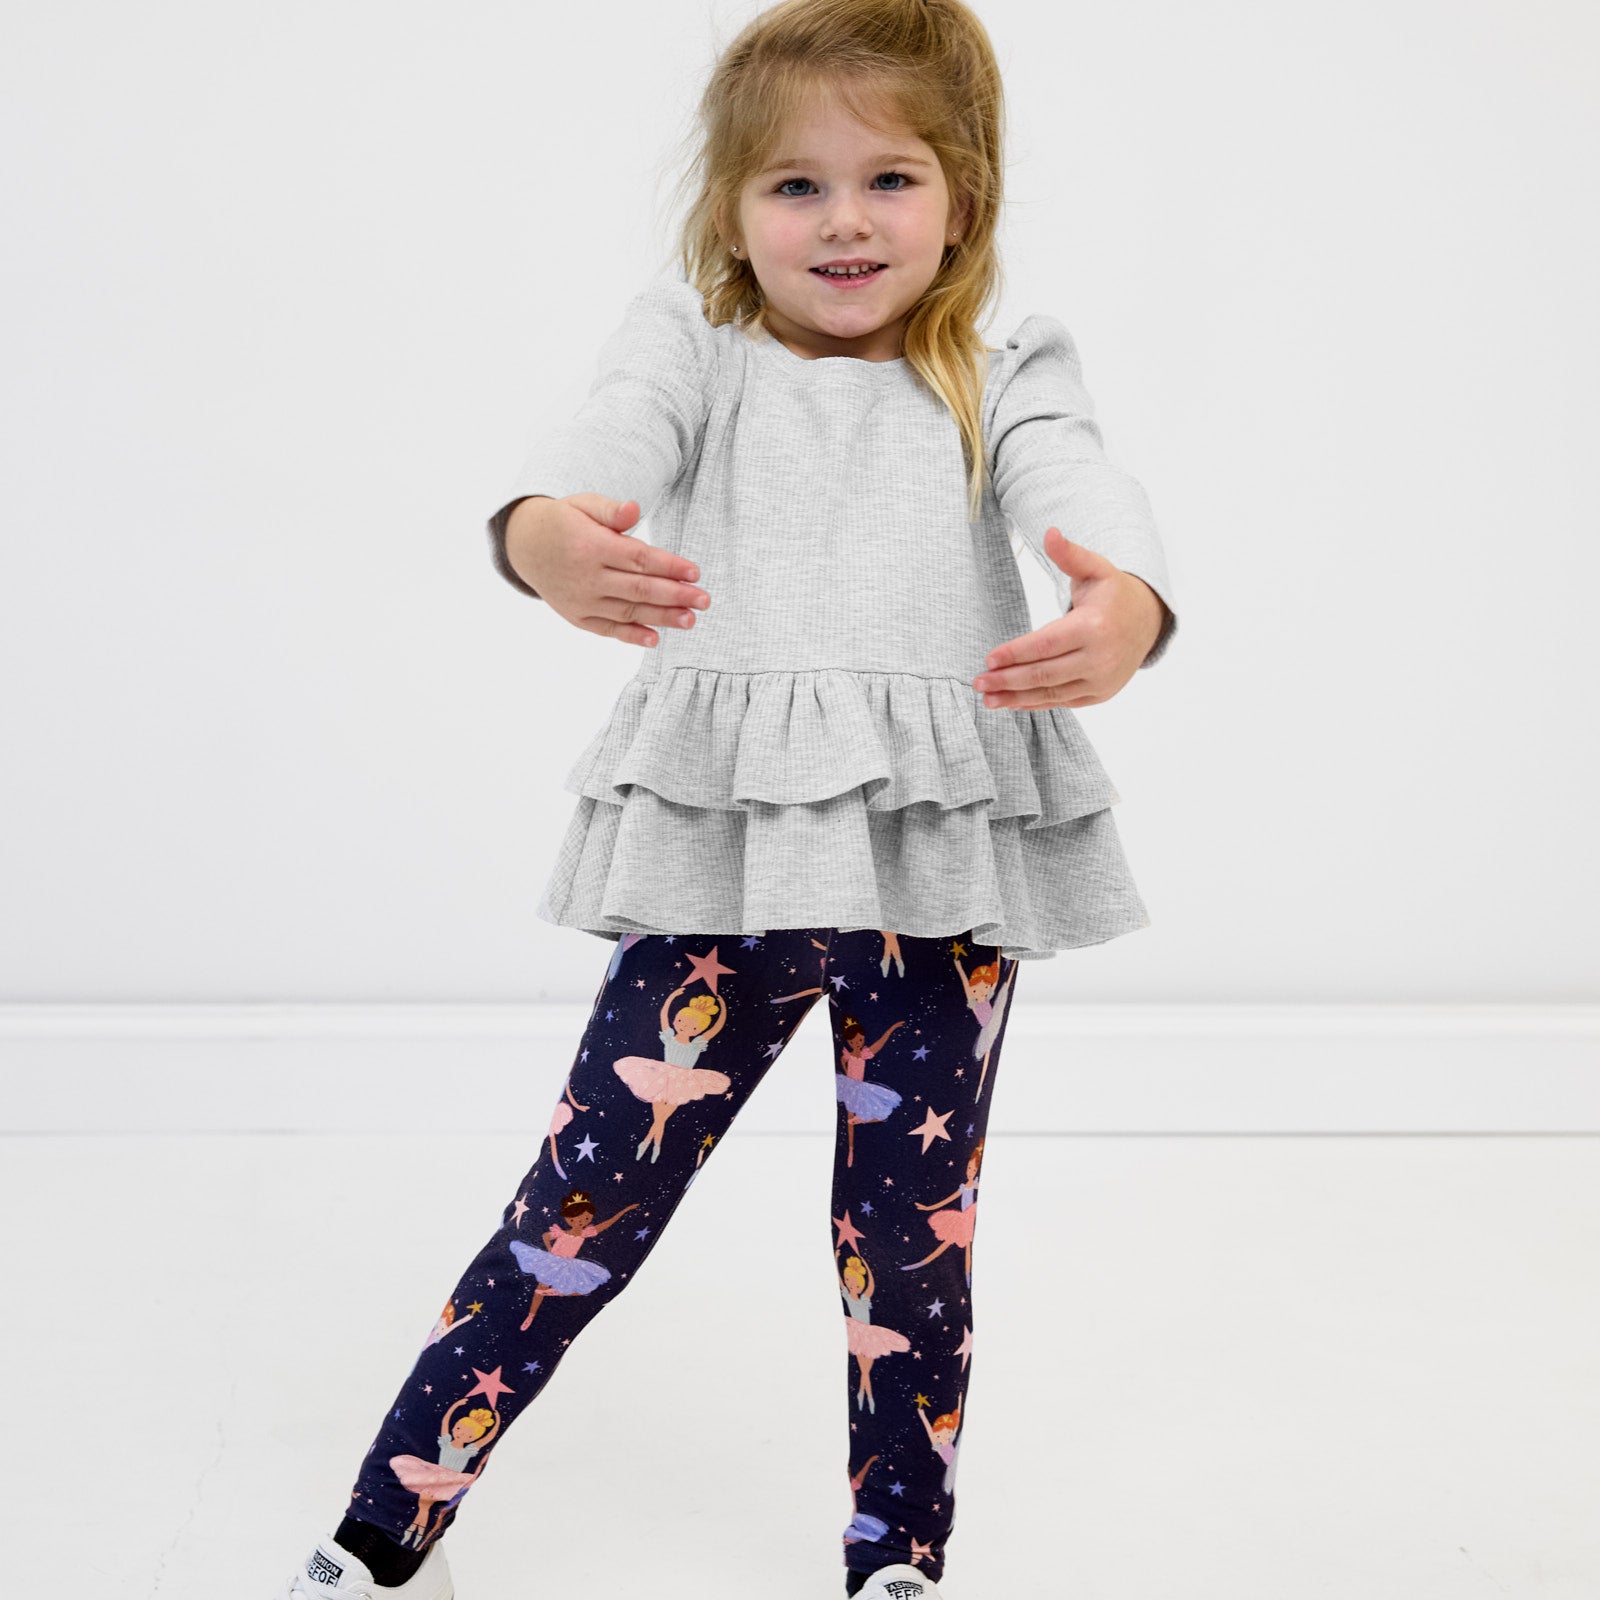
(787, 181)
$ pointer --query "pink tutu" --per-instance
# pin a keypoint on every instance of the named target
(660, 1081)
(955, 1225)
(867, 1339)
(428, 1479)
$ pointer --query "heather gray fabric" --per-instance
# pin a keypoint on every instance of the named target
(812, 753)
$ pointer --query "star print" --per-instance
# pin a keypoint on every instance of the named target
(490, 1386)
(840, 982)
(641, 1233)
(427, 1388)
(897, 1487)
(866, 1208)
(530, 1366)
(638, 983)
(958, 949)
(749, 941)
(491, 1283)
(587, 1149)
(848, 1232)
(916, 1355)
(610, 1015)
(517, 1211)
(583, 1054)
(707, 968)
(969, 1127)
(964, 1349)
(922, 1399)
(617, 1176)
(920, 1053)
(890, 1182)
(921, 1551)
(873, 995)
(936, 1308)
(475, 1307)
(460, 1351)
(961, 1072)
(931, 1127)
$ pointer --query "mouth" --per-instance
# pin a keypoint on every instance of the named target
(850, 280)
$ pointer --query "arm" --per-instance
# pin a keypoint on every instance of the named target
(638, 427)
(1049, 468)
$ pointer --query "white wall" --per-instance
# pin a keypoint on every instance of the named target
(286, 289)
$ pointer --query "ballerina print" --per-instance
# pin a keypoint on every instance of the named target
(866, 1339)
(800, 994)
(942, 1436)
(862, 1101)
(980, 988)
(955, 1226)
(559, 1118)
(675, 1081)
(433, 1481)
(862, 1526)
(447, 1323)
(891, 951)
(558, 1269)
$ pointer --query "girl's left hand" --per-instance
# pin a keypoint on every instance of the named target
(1086, 656)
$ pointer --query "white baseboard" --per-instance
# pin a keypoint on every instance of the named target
(1065, 1069)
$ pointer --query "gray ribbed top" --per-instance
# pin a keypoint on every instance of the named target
(811, 753)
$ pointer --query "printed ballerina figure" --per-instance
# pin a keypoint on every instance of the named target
(558, 1269)
(447, 1323)
(891, 949)
(865, 1338)
(980, 988)
(675, 1081)
(862, 1526)
(955, 1226)
(862, 1101)
(817, 988)
(559, 1118)
(443, 1480)
(942, 1436)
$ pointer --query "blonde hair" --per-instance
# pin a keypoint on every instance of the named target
(703, 1005)
(926, 63)
(477, 1418)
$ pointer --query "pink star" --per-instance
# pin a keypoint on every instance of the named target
(490, 1386)
(517, 1211)
(707, 968)
(931, 1128)
(848, 1231)
(964, 1349)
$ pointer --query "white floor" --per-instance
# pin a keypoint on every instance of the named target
(1206, 1368)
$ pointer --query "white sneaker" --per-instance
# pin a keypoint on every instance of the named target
(332, 1573)
(902, 1581)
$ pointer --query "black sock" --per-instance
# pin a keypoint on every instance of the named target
(855, 1581)
(391, 1562)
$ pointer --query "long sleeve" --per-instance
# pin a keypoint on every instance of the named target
(641, 421)
(1048, 465)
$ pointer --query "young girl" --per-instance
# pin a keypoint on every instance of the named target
(859, 774)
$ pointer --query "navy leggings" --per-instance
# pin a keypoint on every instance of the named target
(683, 1028)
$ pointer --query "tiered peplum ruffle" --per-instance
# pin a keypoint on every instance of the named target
(734, 802)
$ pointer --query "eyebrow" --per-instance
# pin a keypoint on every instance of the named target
(806, 161)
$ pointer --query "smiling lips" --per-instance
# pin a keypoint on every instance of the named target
(848, 280)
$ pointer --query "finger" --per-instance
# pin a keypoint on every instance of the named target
(648, 592)
(629, 554)
(627, 632)
(1058, 637)
(1056, 669)
(1069, 691)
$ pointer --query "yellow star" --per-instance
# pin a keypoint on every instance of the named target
(477, 1305)
(923, 1400)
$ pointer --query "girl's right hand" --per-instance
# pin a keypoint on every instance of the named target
(580, 557)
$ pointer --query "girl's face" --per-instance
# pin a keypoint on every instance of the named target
(464, 1432)
(581, 1220)
(982, 989)
(845, 192)
(690, 1022)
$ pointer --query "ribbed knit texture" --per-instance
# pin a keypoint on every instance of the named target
(812, 753)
